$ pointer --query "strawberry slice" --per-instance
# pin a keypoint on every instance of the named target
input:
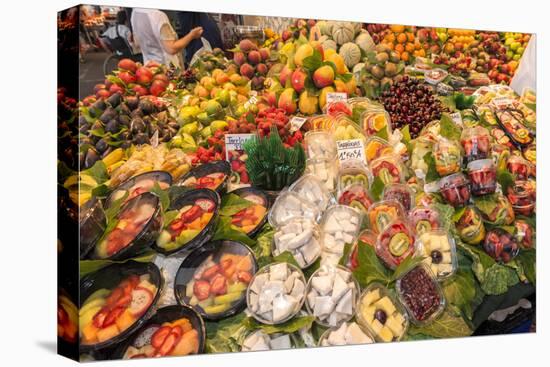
(159, 336)
(201, 289)
(218, 285)
(99, 318)
(210, 272)
(244, 276)
(111, 318)
(168, 346)
(141, 299)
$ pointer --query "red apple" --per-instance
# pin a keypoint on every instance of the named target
(140, 90)
(126, 77)
(157, 87)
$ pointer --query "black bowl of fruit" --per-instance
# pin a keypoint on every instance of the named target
(251, 219)
(139, 184)
(190, 221)
(135, 226)
(213, 176)
(115, 301)
(92, 224)
(173, 331)
(213, 279)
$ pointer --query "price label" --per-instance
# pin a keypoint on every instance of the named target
(353, 149)
(251, 101)
(457, 118)
(337, 97)
(235, 143)
(296, 123)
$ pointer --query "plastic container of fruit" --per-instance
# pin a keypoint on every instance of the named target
(520, 167)
(290, 204)
(483, 176)
(200, 199)
(337, 108)
(320, 122)
(522, 197)
(476, 143)
(108, 278)
(260, 199)
(524, 234)
(227, 265)
(500, 245)
(356, 196)
(395, 243)
(367, 237)
(438, 248)
(139, 184)
(305, 231)
(351, 283)
(470, 226)
(401, 193)
(319, 144)
(435, 76)
(92, 224)
(455, 189)
(423, 219)
(420, 294)
(339, 225)
(376, 147)
(325, 169)
(214, 174)
(500, 155)
(324, 340)
(344, 128)
(293, 271)
(371, 308)
(447, 157)
(143, 218)
(495, 209)
(312, 189)
(388, 168)
(353, 172)
(374, 120)
(382, 213)
(169, 314)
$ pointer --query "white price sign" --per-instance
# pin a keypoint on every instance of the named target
(353, 149)
(296, 123)
(337, 97)
(251, 101)
(235, 142)
(457, 118)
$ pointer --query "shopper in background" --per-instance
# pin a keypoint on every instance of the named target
(157, 39)
(189, 20)
(119, 37)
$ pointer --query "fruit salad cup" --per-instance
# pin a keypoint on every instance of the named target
(377, 147)
(357, 197)
(421, 147)
(476, 143)
(495, 209)
(520, 167)
(447, 157)
(319, 144)
(320, 122)
(425, 199)
(388, 168)
(470, 226)
(401, 193)
(483, 176)
(337, 108)
(382, 213)
(374, 120)
(500, 245)
(313, 190)
(395, 244)
(524, 234)
(325, 169)
(500, 154)
(522, 196)
(438, 250)
(353, 172)
(455, 189)
(424, 219)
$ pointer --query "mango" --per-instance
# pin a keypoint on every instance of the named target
(302, 52)
(323, 76)
(308, 104)
(338, 61)
(298, 80)
(323, 96)
(285, 75)
(287, 100)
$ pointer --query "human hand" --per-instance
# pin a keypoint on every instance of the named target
(196, 32)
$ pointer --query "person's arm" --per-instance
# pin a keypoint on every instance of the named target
(174, 46)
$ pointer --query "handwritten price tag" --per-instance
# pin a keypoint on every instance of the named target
(457, 118)
(296, 123)
(235, 142)
(353, 149)
(337, 97)
(251, 101)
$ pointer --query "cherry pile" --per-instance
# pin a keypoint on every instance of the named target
(412, 103)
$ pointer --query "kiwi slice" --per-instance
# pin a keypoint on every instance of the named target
(347, 180)
(362, 179)
(385, 176)
(399, 244)
(357, 205)
(423, 226)
(382, 220)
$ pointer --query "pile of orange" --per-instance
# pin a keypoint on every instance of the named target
(402, 40)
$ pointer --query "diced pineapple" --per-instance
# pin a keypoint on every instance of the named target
(372, 297)
(445, 268)
(399, 318)
(376, 326)
(386, 334)
(386, 304)
(368, 313)
(446, 257)
(435, 269)
(395, 326)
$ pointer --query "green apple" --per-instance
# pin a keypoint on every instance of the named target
(520, 50)
(509, 54)
(516, 57)
(515, 45)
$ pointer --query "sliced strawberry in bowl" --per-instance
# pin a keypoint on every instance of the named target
(158, 338)
(111, 318)
(201, 289)
(142, 298)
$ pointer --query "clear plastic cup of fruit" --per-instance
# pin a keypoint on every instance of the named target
(420, 293)
(421, 146)
(313, 190)
(495, 209)
(524, 234)
(382, 213)
(374, 120)
(425, 199)
(483, 176)
(522, 197)
(395, 243)
(353, 172)
(337, 108)
(455, 189)
(520, 167)
(500, 154)
(438, 250)
(376, 147)
(357, 197)
(325, 169)
(367, 237)
(476, 143)
(447, 157)
(423, 219)
(500, 245)
(344, 128)
(320, 122)
(381, 315)
(401, 193)
(388, 168)
(319, 144)
(470, 226)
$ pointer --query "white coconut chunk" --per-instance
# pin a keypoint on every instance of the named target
(348, 238)
(299, 259)
(269, 292)
(251, 340)
(322, 284)
(300, 239)
(334, 319)
(345, 275)
(278, 272)
(339, 236)
(285, 237)
(323, 307)
(328, 240)
(446, 257)
(444, 269)
(310, 250)
(311, 298)
(298, 289)
(339, 288)
(261, 344)
(259, 282)
(280, 342)
(289, 282)
(332, 225)
(343, 215)
(345, 305)
(354, 219)
(283, 306)
(337, 337)
(354, 335)
(254, 300)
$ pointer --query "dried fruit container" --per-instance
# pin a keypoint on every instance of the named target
(388, 168)
(438, 249)
(455, 189)
(319, 144)
(382, 213)
(395, 243)
(401, 193)
(476, 143)
(325, 169)
(500, 245)
(483, 176)
(380, 314)
(522, 197)
(420, 293)
(447, 157)
(470, 226)
(423, 219)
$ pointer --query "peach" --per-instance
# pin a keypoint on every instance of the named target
(261, 69)
(239, 58)
(287, 100)
(247, 45)
(265, 53)
(308, 104)
(298, 80)
(254, 57)
(247, 70)
(323, 76)
(302, 52)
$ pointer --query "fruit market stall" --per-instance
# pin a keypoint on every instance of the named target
(340, 183)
